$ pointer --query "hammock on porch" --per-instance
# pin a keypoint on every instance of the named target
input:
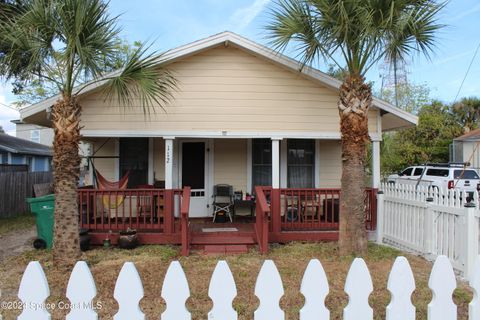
(109, 201)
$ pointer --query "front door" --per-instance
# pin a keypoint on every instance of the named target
(193, 174)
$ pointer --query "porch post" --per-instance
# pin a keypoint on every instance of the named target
(169, 197)
(276, 163)
(168, 162)
(375, 164)
(275, 195)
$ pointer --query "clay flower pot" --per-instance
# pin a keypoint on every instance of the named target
(128, 239)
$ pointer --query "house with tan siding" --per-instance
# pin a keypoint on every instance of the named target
(242, 115)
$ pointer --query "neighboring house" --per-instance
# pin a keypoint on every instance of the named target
(466, 148)
(242, 115)
(44, 135)
(20, 151)
(34, 133)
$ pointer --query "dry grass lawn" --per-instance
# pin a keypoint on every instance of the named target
(291, 260)
(19, 223)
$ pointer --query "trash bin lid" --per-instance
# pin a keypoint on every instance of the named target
(48, 197)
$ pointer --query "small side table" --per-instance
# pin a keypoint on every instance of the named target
(244, 204)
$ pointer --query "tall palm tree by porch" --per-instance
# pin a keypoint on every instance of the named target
(68, 42)
(356, 34)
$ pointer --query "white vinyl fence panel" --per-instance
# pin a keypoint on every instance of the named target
(128, 292)
(431, 222)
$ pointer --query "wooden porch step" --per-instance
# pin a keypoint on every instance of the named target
(222, 239)
(225, 249)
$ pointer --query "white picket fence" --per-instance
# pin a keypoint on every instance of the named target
(430, 222)
(128, 292)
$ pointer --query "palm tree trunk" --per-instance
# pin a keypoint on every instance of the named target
(355, 100)
(66, 165)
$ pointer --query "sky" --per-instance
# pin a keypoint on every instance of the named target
(171, 23)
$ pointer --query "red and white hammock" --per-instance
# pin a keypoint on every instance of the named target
(112, 201)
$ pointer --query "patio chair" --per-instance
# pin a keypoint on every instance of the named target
(223, 200)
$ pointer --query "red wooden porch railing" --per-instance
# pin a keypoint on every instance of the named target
(184, 221)
(308, 209)
(312, 209)
(117, 210)
(262, 220)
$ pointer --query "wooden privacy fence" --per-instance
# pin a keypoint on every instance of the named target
(15, 187)
(128, 292)
(430, 222)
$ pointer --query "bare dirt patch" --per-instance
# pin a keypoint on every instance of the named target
(16, 242)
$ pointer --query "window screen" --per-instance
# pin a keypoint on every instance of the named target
(301, 163)
(261, 162)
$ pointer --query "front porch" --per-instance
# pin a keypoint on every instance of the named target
(162, 216)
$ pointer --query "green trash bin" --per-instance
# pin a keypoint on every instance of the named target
(42, 208)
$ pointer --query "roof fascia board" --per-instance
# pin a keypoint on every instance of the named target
(8, 149)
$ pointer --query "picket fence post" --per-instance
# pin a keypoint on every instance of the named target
(428, 226)
(175, 292)
(471, 239)
(222, 291)
(81, 290)
(474, 305)
(33, 292)
(358, 286)
(442, 282)
(128, 292)
(401, 285)
(269, 290)
(315, 289)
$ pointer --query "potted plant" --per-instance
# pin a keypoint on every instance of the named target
(128, 239)
(106, 241)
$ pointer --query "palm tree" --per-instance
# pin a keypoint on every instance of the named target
(467, 113)
(75, 39)
(355, 33)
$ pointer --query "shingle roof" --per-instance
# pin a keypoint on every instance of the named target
(472, 135)
(22, 146)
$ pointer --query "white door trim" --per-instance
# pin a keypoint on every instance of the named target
(208, 179)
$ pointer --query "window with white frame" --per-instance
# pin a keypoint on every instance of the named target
(35, 136)
(300, 163)
(261, 162)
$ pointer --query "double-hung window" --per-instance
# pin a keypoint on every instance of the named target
(261, 162)
(300, 163)
(35, 136)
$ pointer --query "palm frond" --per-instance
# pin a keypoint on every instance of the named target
(362, 32)
(293, 21)
(142, 79)
(30, 37)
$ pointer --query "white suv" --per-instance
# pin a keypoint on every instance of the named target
(451, 176)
